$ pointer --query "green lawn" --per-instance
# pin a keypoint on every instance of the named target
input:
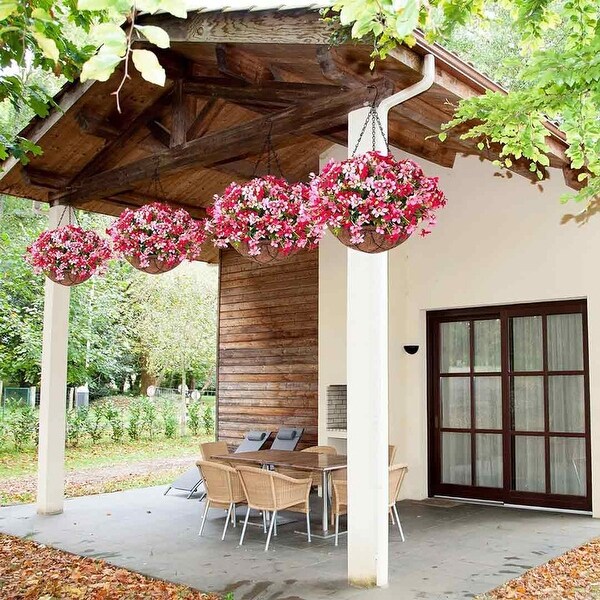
(13, 463)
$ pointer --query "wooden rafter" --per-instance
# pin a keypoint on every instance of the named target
(106, 155)
(204, 118)
(241, 64)
(182, 110)
(272, 91)
(230, 144)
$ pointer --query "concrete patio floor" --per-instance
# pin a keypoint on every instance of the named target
(454, 551)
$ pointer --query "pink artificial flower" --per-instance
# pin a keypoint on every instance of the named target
(157, 231)
(375, 190)
(68, 250)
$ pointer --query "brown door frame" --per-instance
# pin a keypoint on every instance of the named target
(504, 494)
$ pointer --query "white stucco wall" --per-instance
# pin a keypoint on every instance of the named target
(499, 241)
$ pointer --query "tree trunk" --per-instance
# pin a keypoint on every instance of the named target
(146, 378)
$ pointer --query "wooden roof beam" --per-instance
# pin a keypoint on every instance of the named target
(241, 64)
(256, 27)
(106, 155)
(204, 118)
(273, 91)
(236, 142)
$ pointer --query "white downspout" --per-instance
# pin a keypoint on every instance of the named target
(410, 92)
(367, 332)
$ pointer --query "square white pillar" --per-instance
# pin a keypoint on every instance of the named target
(53, 392)
(367, 379)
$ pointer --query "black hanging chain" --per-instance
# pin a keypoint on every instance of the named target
(156, 186)
(72, 216)
(268, 151)
(373, 118)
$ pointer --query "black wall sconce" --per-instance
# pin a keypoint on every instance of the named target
(411, 349)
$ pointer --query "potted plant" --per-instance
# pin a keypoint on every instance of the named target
(373, 202)
(156, 238)
(68, 255)
(265, 219)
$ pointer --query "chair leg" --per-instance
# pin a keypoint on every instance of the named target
(233, 515)
(337, 528)
(271, 527)
(204, 517)
(308, 526)
(227, 521)
(244, 527)
(275, 525)
(168, 490)
(398, 521)
(392, 517)
(264, 513)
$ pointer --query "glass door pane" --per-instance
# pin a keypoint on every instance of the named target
(529, 466)
(527, 408)
(488, 465)
(456, 458)
(567, 466)
(526, 344)
(455, 343)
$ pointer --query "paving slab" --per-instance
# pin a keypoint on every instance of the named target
(451, 552)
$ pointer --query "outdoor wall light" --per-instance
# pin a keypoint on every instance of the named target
(411, 348)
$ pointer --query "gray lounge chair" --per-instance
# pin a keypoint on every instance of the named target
(190, 481)
(287, 438)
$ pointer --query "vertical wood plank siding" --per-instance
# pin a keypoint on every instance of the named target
(268, 357)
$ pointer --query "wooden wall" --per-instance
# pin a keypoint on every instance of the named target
(268, 360)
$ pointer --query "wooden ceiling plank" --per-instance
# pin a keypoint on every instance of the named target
(281, 27)
(275, 91)
(232, 143)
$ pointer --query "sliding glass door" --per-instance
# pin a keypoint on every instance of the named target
(508, 404)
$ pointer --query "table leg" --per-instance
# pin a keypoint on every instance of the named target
(325, 493)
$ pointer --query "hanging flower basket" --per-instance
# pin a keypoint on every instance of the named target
(68, 255)
(372, 243)
(374, 202)
(156, 238)
(265, 220)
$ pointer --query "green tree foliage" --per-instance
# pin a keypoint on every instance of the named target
(111, 316)
(176, 320)
(556, 77)
(100, 338)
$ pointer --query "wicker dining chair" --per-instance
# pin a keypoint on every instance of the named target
(223, 490)
(340, 495)
(271, 492)
(210, 449)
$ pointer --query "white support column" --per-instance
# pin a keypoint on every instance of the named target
(53, 392)
(367, 379)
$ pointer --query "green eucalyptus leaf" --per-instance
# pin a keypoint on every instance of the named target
(147, 64)
(47, 46)
(7, 8)
(100, 67)
(155, 35)
(111, 37)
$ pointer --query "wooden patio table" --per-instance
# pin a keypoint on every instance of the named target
(301, 461)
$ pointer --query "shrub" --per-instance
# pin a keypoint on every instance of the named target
(96, 423)
(77, 425)
(208, 420)
(134, 424)
(168, 413)
(114, 417)
(149, 416)
(4, 434)
(194, 417)
(22, 422)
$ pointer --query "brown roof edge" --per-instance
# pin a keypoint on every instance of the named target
(467, 73)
